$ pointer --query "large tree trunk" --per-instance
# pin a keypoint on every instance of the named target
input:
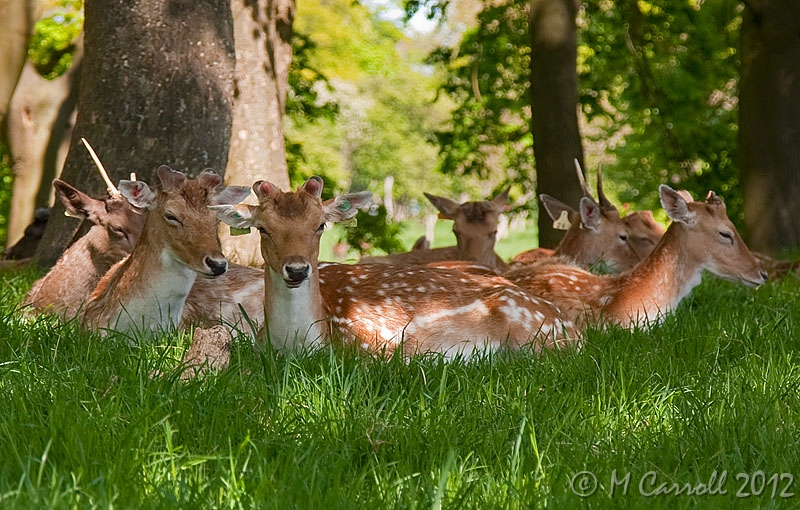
(38, 126)
(19, 18)
(263, 33)
(554, 101)
(769, 109)
(156, 88)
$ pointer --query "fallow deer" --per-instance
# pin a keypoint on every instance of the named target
(701, 237)
(379, 306)
(596, 234)
(148, 289)
(115, 229)
(475, 227)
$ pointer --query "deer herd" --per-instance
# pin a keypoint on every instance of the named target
(151, 261)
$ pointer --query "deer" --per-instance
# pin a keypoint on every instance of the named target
(700, 238)
(148, 289)
(596, 234)
(114, 231)
(378, 307)
(475, 227)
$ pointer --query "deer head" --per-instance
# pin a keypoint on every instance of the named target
(179, 217)
(711, 238)
(474, 225)
(116, 224)
(290, 225)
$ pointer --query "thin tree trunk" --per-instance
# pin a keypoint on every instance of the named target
(38, 122)
(769, 109)
(263, 33)
(19, 18)
(156, 88)
(554, 100)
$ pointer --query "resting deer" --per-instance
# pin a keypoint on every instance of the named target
(701, 237)
(148, 289)
(596, 234)
(475, 227)
(114, 231)
(375, 305)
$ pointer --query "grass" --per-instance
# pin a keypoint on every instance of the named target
(714, 388)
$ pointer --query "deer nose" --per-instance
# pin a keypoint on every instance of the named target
(764, 275)
(296, 273)
(216, 265)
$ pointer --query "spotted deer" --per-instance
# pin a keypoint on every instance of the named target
(701, 237)
(114, 229)
(148, 289)
(596, 234)
(378, 306)
(475, 227)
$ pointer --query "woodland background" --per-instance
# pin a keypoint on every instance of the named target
(469, 97)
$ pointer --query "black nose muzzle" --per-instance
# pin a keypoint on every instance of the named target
(216, 266)
(296, 273)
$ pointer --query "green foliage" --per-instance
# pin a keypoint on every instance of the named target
(52, 45)
(85, 423)
(373, 231)
(665, 74)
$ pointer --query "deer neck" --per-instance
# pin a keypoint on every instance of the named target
(657, 285)
(573, 245)
(294, 316)
(150, 287)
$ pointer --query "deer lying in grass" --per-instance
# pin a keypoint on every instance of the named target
(148, 289)
(378, 306)
(115, 229)
(701, 237)
(475, 227)
(596, 234)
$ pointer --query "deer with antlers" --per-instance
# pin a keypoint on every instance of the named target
(596, 234)
(701, 237)
(115, 229)
(148, 289)
(378, 306)
(475, 227)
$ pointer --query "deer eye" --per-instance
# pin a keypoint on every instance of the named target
(117, 231)
(623, 238)
(727, 237)
(172, 219)
(262, 231)
(321, 228)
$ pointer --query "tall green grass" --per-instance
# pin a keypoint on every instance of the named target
(84, 423)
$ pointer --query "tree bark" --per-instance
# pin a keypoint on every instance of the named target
(156, 88)
(19, 18)
(38, 126)
(769, 106)
(263, 34)
(554, 101)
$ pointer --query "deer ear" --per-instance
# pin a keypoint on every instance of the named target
(448, 208)
(231, 195)
(344, 207)
(209, 178)
(500, 202)
(264, 189)
(676, 206)
(170, 179)
(313, 186)
(554, 207)
(590, 214)
(236, 217)
(79, 204)
(138, 194)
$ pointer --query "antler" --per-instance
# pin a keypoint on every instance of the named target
(601, 197)
(582, 180)
(112, 190)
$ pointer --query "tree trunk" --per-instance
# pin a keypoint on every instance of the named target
(769, 106)
(156, 88)
(19, 18)
(263, 33)
(38, 125)
(554, 101)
